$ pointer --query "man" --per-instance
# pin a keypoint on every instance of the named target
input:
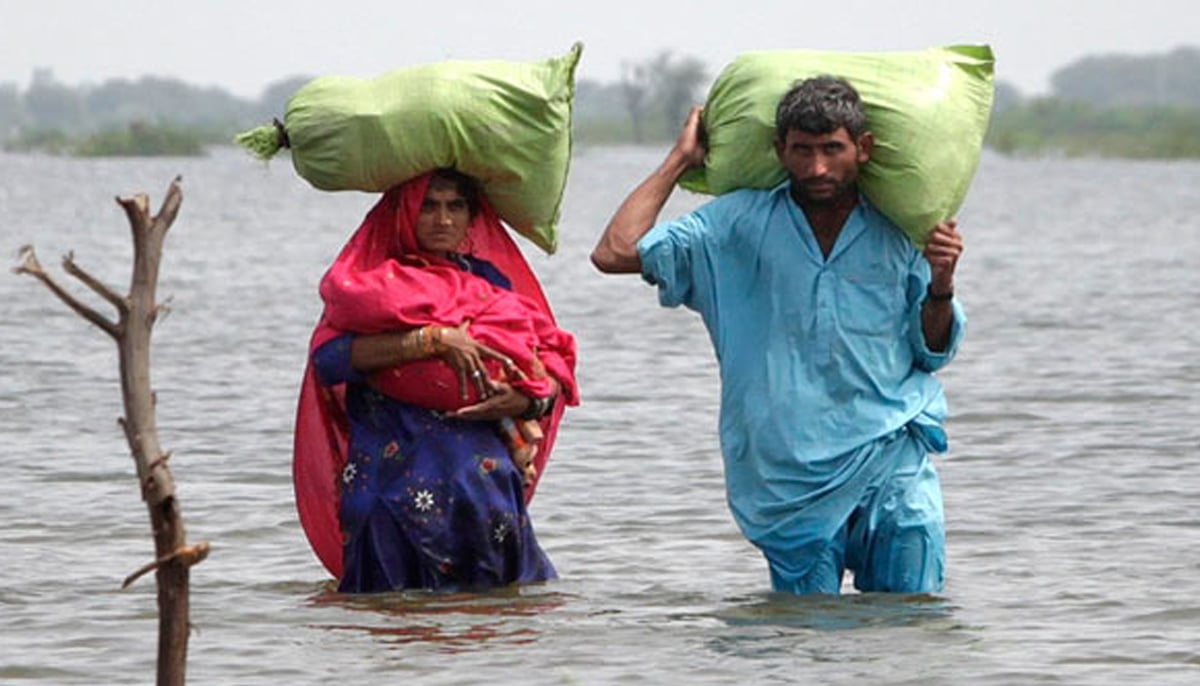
(828, 325)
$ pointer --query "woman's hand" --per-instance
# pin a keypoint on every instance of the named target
(502, 401)
(466, 355)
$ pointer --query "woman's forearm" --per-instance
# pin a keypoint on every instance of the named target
(372, 352)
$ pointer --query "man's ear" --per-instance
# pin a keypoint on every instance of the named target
(866, 144)
(778, 147)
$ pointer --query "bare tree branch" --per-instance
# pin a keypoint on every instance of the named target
(187, 555)
(33, 268)
(137, 210)
(90, 281)
(170, 206)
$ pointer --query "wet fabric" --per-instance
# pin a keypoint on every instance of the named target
(381, 282)
(884, 524)
(819, 357)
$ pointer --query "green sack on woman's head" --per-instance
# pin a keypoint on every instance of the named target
(506, 123)
(928, 111)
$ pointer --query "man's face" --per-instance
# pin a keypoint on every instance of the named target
(823, 167)
(444, 219)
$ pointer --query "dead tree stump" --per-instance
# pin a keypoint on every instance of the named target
(136, 314)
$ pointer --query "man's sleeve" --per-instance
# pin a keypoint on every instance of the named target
(670, 253)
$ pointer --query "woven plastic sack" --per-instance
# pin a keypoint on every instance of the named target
(928, 111)
(506, 123)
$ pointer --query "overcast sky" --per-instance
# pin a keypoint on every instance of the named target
(243, 45)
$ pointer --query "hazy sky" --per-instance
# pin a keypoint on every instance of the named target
(243, 45)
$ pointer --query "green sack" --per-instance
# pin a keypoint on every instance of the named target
(506, 123)
(928, 111)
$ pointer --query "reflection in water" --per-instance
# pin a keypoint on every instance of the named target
(782, 626)
(842, 612)
(451, 620)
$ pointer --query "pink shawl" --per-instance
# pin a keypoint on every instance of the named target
(381, 281)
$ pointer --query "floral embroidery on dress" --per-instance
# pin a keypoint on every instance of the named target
(423, 500)
(348, 473)
(500, 532)
(391, 450)
(487, 465)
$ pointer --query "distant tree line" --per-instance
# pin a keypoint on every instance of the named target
(648, 103)
(169, 116)
(150, 115)
(1108, 105)
(1118, 105)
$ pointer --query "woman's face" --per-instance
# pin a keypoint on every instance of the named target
(444, 219)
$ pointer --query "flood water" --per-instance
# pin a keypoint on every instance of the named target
(1070, 485)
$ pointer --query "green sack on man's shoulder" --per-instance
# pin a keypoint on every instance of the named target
(506, 123)
(928, 111)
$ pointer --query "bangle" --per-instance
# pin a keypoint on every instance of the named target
(948, 295)
(435, 339)
(538, 407)
(408, 346)
(425, 342)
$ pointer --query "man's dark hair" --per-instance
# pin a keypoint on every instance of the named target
(820, 105)
(466, 185)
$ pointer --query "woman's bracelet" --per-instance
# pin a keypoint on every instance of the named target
(538, 407)
(434, 334)
(419, 343)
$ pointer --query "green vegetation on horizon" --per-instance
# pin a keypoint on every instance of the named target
(1107, 106)
(1077, 129)
(1100, 106)
(135, 140)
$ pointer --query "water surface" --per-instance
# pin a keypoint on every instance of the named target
(1074, 547)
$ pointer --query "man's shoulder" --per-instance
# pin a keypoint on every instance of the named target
(884, 226)
(719, 216)
(872, 215)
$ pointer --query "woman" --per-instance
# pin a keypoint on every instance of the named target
(435, 343)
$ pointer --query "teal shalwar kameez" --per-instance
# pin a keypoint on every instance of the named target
(829, 405)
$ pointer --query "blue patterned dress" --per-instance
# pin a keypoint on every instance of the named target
(427, 501)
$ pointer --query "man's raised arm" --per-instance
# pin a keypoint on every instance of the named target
(616, 251)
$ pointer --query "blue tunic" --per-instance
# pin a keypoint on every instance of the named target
(427, 501)
(823, 366)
